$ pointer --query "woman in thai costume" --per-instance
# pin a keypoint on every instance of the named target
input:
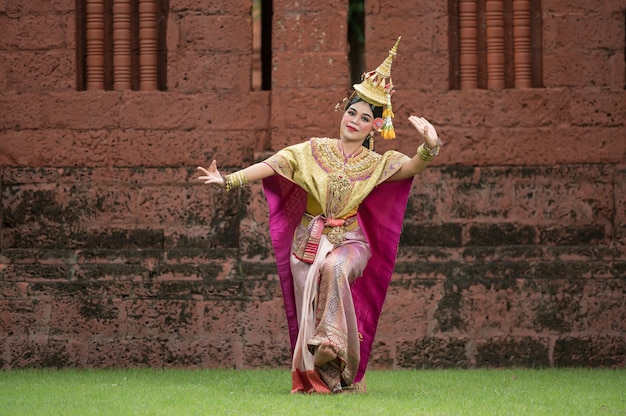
(336, 212)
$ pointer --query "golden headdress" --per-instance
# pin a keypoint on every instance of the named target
(376, 88)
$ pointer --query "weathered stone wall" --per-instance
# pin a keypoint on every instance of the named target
(514, 249)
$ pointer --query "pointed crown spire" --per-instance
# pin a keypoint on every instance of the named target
(376, 85)
(376, 88)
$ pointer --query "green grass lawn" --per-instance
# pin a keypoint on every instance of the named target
(266, 392)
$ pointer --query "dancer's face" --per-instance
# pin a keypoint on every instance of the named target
(357, 122)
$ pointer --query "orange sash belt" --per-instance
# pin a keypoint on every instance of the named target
(334, 229)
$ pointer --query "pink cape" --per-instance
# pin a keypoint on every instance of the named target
(381, 215)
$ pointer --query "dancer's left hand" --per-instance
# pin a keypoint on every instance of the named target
(426, 130)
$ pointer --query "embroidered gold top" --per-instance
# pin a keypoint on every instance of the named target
(340, 184)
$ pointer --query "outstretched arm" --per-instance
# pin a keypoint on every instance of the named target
(212, 176)
(425, 152)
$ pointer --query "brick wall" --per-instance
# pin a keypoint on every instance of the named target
(111, 255)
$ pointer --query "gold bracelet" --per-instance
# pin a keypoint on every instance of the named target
(235, 180)
(433, 151)
(424, 154)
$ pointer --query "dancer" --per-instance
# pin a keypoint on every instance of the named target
(336, 211)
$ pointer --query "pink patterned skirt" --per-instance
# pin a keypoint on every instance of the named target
(326, 311)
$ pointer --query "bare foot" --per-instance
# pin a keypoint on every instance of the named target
(324, 353)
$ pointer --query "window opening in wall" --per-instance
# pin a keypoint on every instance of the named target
(121, 44)
(356, 40)
(495, 44)
(262, 11)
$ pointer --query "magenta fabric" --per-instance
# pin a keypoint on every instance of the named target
(381, 216)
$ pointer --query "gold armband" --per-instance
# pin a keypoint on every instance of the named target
(235, 180)
(424, 154)
(427, 153)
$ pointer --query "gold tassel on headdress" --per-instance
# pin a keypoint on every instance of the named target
(377, 87)
(388, 131)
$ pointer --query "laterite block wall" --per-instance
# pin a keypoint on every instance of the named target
(111, 255)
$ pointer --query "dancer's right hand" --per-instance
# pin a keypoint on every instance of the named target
(211, 176)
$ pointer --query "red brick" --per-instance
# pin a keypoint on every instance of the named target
(576, 6)
(429, 33)
(570, 67)
(202, 353)
(597, 108)
(330, 7)
(232, 7)
(529, 108)
(400, 310)
(393, 8)
(254, 229)
(431, 72)
(620, 196)
(121, 352)
(207, 110)
(32, 32)
(307, 109)
(620, 213)
(584, 28)
(232, 34)
(312, 71)
(34, 7)
(598, 352)
(311, 33)
(29, 71)
(283, 137)
(205, 71)
(43, 352)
